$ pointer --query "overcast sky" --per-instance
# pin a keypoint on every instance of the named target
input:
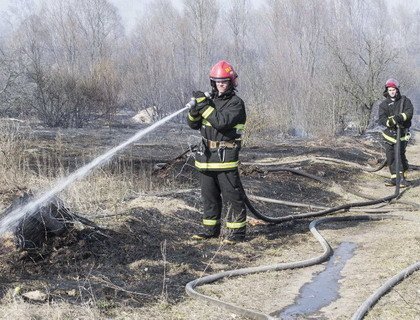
(130, 9)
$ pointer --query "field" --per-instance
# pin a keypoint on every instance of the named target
(137, 265)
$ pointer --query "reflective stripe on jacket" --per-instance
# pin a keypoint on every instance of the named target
(388, 109)
(405, 136)
(224, 121)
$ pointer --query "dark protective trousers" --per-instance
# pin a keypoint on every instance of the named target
(220, 189)
(390, 158)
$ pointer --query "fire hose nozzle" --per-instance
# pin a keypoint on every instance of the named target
(193, 102)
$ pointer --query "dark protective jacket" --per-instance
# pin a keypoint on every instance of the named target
(389, 108)
(224, 121)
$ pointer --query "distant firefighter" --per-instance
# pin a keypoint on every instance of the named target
(395, 111)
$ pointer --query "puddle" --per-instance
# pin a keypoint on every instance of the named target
(323, 289)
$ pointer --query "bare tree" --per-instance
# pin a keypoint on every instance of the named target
(67, 52)
(9, 84)
(362, 54)
(202, 17)
(238, 22)
(309, 68)
(153, 74)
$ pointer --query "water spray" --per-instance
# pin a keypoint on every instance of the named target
(10, 221)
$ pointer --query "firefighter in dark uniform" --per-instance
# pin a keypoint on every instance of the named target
(221, 120)
(395, 111)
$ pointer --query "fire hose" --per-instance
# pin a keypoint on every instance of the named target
(17, 214)
(12, 218)
(190, 287)
(369, 302)
(347, 206)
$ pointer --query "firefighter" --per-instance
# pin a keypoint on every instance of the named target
(395, 111)
(221, 120)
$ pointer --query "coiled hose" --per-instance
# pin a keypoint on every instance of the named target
(253, 314)
(190, 287)
(347, 206)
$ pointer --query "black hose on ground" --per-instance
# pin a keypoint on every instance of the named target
(367, 305)
(371, 301)
(379, 167)
(376, 209)
(295, 171)
(367, 169)
(300, 264)
(347, 206)
(254, 314)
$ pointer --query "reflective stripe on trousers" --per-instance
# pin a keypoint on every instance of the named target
(216, 185)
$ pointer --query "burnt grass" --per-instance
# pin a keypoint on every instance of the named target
(146, 256)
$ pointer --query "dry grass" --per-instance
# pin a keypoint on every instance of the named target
(14, 149)
(259, 121)
(24, 165)
(16, 308)
(383, 248)
(402, 302)
(27, 164)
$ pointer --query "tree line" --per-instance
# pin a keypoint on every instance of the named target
(307, 67)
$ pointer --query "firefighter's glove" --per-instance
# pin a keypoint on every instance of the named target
(399, 119)
(391, 123)
(193, 112)
(199, 94)
(201, 101)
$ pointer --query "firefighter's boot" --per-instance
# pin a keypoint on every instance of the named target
(208, 233)
(391, 182)
(203, 236)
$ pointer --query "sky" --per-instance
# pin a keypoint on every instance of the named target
(130, 9)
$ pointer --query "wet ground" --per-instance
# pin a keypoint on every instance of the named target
(324, 287)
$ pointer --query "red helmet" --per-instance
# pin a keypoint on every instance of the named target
(391, 83)
(223, 70)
